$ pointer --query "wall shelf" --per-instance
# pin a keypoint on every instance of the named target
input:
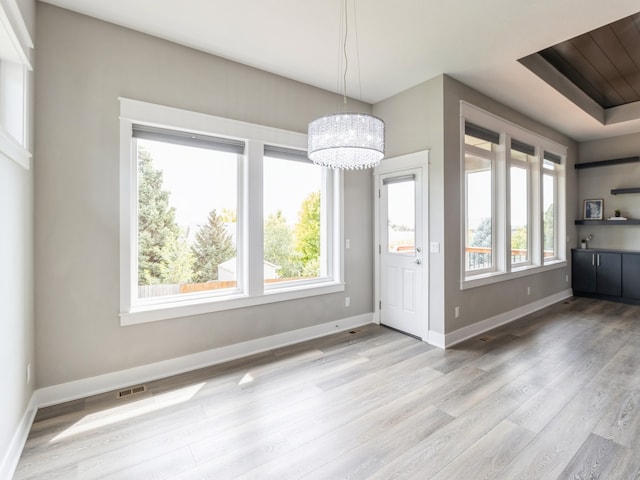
(606, 163)
(630, 221)
(620, 191)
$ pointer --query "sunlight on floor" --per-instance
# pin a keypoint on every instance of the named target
(129, 410)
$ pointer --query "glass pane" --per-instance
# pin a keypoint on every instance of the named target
(401, 217)
(519, 215)
(479, 232)
(187, 204)
(548, 202)
(293, 244)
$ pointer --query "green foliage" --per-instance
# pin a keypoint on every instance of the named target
(307, 230)
(278, 246)
(519, 238)
(548, 228)
(163, 257)
(482, 234)
(213, 246)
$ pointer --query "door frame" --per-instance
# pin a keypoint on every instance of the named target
(395, 165)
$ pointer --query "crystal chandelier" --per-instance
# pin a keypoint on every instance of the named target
(346, 140)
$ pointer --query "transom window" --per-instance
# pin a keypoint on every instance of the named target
(212, 221)
(512, 213)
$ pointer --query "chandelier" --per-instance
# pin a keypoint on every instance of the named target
(346, 140)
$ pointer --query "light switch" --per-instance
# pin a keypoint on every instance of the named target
(435, 247)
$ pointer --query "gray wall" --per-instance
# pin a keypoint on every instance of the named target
(414, 122)
(427, 116)
(16, 284)
(598, 182)
(84, 65)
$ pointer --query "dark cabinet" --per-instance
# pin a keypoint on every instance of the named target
(631, 276)
(597, 272)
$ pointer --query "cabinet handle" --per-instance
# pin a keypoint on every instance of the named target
(598, 259)
(593, 259)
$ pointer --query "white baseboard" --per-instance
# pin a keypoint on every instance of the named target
(470, 331)
(112, 381)
(9, 461)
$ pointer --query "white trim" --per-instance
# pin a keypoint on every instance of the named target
(10, 460)
(16, 32)
(12, 150)
(414, 160)
(112, 381)
(249, 204)
(450, 339)
(518, 272)
(210, 304)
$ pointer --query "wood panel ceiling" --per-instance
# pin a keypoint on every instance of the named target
(603, 63)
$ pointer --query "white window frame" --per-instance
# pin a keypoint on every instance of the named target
(528, 166)
(15, 67)
(502, 268)
(492, 158)
(252, 290)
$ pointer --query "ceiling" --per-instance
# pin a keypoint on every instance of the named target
(400, 44)
(604, 63)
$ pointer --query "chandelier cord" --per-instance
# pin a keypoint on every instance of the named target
(344, 52)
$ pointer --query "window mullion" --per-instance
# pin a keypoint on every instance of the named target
(537, 233)
(253, 241)
(500, 192)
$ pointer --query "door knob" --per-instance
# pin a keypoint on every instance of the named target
(418, 261)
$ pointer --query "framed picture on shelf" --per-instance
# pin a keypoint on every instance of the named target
(593, 209)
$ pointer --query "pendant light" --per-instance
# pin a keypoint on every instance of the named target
(346, 140)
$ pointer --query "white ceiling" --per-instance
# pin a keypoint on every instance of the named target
(401, 43)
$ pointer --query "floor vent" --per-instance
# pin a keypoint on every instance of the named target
(484, 339)
(352, 332)
(127, 392)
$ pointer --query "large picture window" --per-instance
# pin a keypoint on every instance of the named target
(216, 215)
(512, 211)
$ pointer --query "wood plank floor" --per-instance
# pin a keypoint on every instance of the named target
(555, 395)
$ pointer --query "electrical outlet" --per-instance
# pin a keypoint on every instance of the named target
(28, 373)
(456, 312)
(528, 290)
(347, 243)
(347, 301)
(566, 279)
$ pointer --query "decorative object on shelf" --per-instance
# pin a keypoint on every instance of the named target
(346, 140)
(617, 216)
(583, 242)
(593, 209)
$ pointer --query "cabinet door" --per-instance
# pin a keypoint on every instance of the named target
(609, 277)
(631, 276)
(583, 272)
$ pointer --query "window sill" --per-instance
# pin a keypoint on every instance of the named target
(165, 311)
(497, 277)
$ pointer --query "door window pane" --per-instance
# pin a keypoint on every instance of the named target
(294, 222)
(401, 216)
(187, 209)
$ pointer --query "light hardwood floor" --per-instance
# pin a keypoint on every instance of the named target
(555, 395)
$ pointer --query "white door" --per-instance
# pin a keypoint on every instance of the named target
(401, 251)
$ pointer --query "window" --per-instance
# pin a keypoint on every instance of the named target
(479, 172)
(550, 173)
(15, 68)
(512, 184)
(215, 215)
(295, 218)
(522, 156)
